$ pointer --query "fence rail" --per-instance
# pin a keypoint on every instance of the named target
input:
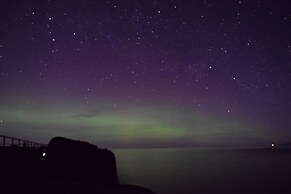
(6, 141)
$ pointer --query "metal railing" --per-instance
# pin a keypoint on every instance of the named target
(6, 141)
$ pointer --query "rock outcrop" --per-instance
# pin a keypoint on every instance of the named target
(69, 160)
(65, 166)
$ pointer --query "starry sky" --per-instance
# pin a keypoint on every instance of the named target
(146, 73)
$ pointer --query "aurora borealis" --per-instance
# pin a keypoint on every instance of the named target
(146, 73)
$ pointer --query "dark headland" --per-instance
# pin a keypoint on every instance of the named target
(65, 166)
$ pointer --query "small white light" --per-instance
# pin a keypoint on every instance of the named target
(43, 154)
(273, 145)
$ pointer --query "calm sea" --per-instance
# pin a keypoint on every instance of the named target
(203, 171)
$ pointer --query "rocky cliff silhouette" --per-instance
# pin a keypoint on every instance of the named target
(75, 161)
(65, 166)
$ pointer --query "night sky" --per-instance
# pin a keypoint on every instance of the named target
(146, 73)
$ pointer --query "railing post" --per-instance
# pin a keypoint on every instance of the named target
(4, 141)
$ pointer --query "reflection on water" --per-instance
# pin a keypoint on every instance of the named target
(183, 171)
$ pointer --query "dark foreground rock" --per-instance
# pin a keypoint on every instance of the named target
(75, 161)
(65, 166)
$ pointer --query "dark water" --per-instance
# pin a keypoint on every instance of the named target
(183, 171)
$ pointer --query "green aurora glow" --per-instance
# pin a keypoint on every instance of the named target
(142, 126)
